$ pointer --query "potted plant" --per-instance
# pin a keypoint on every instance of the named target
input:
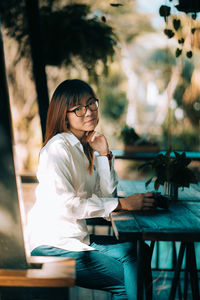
(134, 143)
(171, 172)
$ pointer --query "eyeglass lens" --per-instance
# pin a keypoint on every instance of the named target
(81, 110)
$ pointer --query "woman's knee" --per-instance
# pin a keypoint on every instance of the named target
(126, 251)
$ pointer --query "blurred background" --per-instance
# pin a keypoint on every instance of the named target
(142, 58)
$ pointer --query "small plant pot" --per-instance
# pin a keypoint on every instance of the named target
(171, 190)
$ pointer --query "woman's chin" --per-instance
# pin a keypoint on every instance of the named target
(90, 128)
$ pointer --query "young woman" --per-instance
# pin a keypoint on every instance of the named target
(77, 181)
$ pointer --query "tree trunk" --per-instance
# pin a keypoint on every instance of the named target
(39, 73)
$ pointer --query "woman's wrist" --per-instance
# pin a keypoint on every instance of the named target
(104, 153)
(109, 155)
(118, 206)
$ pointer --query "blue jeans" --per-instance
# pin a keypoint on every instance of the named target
(111, 267)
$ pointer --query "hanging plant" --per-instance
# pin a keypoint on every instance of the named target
(68, 32)
(175, 28)
(187, 6)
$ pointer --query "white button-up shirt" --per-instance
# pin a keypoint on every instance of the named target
(67, 194)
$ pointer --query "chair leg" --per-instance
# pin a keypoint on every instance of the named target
(148, 279)
(174, 257)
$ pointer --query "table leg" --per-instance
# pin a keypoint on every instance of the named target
(193, 270)
(190, 267)
(140, 271)
(174, 266)
(152, 248)
(187, 268)
(177, 272)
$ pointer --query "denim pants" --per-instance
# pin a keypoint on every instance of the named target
(111, 267)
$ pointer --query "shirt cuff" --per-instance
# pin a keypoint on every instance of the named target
(102, 164)
(110, 205)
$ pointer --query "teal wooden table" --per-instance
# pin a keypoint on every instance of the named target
(181, 222)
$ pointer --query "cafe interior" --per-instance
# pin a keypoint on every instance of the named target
(142, 59)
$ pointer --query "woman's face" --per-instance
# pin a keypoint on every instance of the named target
(77, 124)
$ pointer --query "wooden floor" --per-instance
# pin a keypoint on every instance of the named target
(162, 279)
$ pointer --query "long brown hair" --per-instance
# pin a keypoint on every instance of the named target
(69, 93)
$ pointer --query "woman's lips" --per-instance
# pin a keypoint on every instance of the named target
(90, 121)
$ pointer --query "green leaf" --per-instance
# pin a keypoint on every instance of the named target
(148, 182)
(189, 54)
(156, 184)
(176, 24)
(169, 33)
(181, 41)
(178, 52)
(168, 152)
(116, 4)
(177, 155)
(164, 11)
(144, 165)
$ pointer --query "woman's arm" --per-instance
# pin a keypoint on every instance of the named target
(59, 192)
(139, 201)
(108, 179)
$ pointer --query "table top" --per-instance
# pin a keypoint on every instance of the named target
(129, 187)
(181, 222)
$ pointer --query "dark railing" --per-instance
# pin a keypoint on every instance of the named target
(120, 154)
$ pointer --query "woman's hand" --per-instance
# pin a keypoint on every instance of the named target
(142, 201)
(97, 142)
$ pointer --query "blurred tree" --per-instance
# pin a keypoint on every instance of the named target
(164, 61)
(114, 104)
(113, 98)
(187, 93)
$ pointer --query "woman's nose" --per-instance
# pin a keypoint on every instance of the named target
(88, 112)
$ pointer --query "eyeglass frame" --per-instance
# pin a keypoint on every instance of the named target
(86, 107)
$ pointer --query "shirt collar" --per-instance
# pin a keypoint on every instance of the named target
(73, 140)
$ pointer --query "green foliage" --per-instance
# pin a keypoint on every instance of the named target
(162, 60)
(191, 108)
(67, 32)
(187, 71)
(185, 140)
(128, 135)
(114, 105)
(171, 169)
(193, 112)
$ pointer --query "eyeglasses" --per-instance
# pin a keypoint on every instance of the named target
(81, 110)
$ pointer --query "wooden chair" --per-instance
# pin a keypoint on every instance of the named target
(46, 278)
